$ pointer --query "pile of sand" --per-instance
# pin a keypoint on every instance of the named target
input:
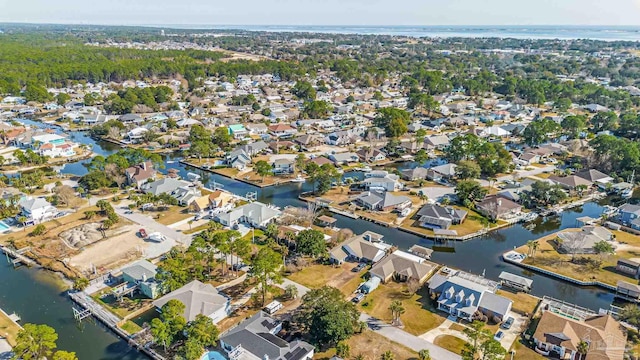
(83, 235)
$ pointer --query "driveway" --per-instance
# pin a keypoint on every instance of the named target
(513, 333)
(404, 338)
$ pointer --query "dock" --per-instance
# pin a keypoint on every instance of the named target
(16, 257)
(89, 307)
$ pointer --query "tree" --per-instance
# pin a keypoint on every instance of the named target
(35, 342)
(574, 125)
(492, 350)
(630, 313)
(161, 333)
(311, 242)
(477, 335)
(470, 190)
(316, 109)
(540, 131)
(192, 350)
(62, 98)
(37, 93)
(304, 90)
(170, 324)
(468, 169)
(64, 355)
(80, 283)
(421, 156)
(291, 291)
(583, 349)
(603, 249)
(543, 194)
(393, 120)
(396, 310)
(301, 162)
(327, 316)
(38, 230)
(424, 354)
(266, 268)
(203, 331)
(606, 120)
(262, 168)
(343, 350)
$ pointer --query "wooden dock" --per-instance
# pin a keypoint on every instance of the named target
(16, 257)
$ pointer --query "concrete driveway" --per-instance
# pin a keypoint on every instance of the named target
(511, 335)
(404, 338)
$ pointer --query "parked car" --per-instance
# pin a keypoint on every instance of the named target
(238, 266)
(507, 324)
(499, 335)
(143, 233)
(356, 299)
(359, 267)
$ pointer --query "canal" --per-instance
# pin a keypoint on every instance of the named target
(35, 297)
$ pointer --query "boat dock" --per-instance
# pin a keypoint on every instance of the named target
(16, 257)
(89, 307)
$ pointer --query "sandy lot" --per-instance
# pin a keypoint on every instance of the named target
(110, 253)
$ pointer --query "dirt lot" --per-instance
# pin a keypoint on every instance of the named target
(371, 346)
(110, 253)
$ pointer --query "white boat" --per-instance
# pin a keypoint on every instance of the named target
(627, 193)
(299, 179)
(365, 169)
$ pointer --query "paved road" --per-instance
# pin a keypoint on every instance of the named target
(404, 338)
(5, 350)
(521, 174)
(151, 226)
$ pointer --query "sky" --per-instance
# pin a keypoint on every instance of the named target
(323, 12)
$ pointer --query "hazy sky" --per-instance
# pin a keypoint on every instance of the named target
(324, 12)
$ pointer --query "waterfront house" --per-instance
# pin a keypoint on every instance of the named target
(238, 159)
(389, 182)
(344, 158)
(199, 299)
(283, 166)
(253, 148)
(142, 273)
(570, 182)
(402, 266)
(366, 247)
(36, 209)
(629, 267)
(442, 172)
(216, 200)
(595, 176)
(498, 208)
(138, 175)
(439, 142)
(256, 214)
(629, 215)
(434, 216)
(464, 295)
(256, 339)
(165, 185)
(371, 155)
(382, 201)
(559, 336)
(136, 135)
(582, 242)
(628, 291)
(418, 173)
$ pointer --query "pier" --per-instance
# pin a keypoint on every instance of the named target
(16, 257)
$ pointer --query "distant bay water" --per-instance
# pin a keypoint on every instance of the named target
(606, 33)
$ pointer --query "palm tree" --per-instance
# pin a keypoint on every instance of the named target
(530, 246)
(396, 310)
(388, 355)
(583, 349)
(424, 354)
(535, 247)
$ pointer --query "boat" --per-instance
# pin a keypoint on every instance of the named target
(365, 169)
(627, 193)
(298, 179)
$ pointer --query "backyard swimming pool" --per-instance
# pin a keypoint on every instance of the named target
(213, 355)
(4, 226)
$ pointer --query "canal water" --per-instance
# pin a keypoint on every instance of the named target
(31, 294)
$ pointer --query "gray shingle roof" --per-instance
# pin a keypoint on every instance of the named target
(198, 298)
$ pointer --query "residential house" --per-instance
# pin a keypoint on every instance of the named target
(136, 135)
(595, 176)
(187, 123)
(238, 159)
(256, 214)
(382, 201)
(256, 339)
(442, 172)
(282, 130)
(257, 129)
(371, 155)
(582, 242)
(496, 207)
(367, 247)
(283, 166)
(199, 299)
(560, 336)
(162, 186)
(277, 146)
(418, 173)
(344, 158)
(320, 160)
(307, 140)
(138, 175)
(440, 217)
(36, 209)
(570, 182)
(142, 274)
(402, 266)
(629, 215)
(238, 131)
(390, 182)
(186, 194)
(342, 138)
(130, 119)
(439, 142)
(254, 148)
(464, 295)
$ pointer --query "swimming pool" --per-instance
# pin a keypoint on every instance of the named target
(213, 355)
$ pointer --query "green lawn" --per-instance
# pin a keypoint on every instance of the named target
(315, 276)
(451, 343)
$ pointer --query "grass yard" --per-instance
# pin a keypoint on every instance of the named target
(371, 346)
(469, 226)
(419, 316)
(173, 215)
(8, 328)
(548, 258)
(130, 327)
(523, 352)
(523, 303)
(123, 308)
(315, 276)
(451, 343)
